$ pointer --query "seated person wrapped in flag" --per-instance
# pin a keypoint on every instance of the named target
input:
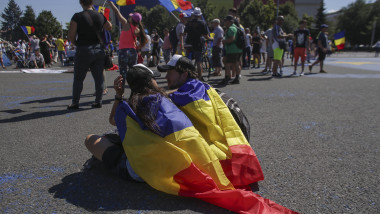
(212, 118)
(166, 151)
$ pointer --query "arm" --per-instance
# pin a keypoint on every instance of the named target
(119, 89)
(119, 16)
(72, 31)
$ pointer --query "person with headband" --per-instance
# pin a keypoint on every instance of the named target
(132, 30)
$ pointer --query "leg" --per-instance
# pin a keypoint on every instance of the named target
(123, 62)
(97, 145)
(81, 67)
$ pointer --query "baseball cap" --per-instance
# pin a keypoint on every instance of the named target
(139, 75)
(175, 62)
(229, 18)
(137, 17)
(215, 21)
(324, 26)
(183, 15)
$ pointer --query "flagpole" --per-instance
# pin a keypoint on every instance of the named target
(174, 16)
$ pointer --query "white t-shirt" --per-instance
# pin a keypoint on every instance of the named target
(248, 39)
(218, 33)
(22, 48)
(147, 45)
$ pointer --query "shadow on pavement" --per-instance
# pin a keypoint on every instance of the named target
(55, 99)
(96, 190)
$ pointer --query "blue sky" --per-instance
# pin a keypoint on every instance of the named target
(64, 9)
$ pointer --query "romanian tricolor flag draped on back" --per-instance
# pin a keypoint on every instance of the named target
(212, 118)
(340, 40)
(179, 161)
(28, 29)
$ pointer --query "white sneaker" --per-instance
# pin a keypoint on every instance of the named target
(301, 74)
(295, 73)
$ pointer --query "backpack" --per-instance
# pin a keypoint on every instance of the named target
(240, 38)
(173, 37)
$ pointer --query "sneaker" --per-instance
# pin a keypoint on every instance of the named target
(236, 81)
(224, 81)
(301, 74)
(264, 71)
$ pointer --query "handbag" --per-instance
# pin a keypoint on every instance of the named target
(107, 56)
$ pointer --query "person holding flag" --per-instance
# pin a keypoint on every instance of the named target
(132, 30)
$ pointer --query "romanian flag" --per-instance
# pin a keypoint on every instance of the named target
(177, 160)
(28, 29)
(212, 118)
(124, 2)
(340, 40)
(177, 5)
(103, 10)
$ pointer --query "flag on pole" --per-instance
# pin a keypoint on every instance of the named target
(177, 5)
(124, 2)
(340, 40)
(177, 160)
(28, 29)
(103, 10)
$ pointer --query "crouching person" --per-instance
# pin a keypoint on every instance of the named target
(37, 60)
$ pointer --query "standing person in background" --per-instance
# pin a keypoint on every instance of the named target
(84, 29)
(156, 47)
(322, 49)
(22, 47)
(2, 50)
(131, 30)
(145, 51)
(180, 32)
(61, 49)
(166, 46)
(45, 50)
(247, 50)
(256, 41)
(377, 48)
(302, 45)
(278, 45)
(34, 44)
(217, 47)
(263, 47)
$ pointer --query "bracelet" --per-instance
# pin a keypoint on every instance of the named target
(118, 98)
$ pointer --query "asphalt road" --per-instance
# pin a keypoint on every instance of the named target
(317, 138)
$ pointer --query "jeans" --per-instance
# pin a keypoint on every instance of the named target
(88, 57)
(127, 59)
(246, 52)
(61, 55)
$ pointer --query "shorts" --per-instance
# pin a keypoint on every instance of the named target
(114, 159)
(232, 57)
(216, 57)
(145, 53)
(299, 52)
(166, 53)
(270, 53)
(321, 55)
(1, 54)
(277, 53)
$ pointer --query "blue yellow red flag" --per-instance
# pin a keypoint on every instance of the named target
(124, 2)
(103, 10)
(28, 29)
(340, 40)
(177, 5)
(177, 160)
(212, 118)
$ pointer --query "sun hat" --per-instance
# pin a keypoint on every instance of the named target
(197, 12)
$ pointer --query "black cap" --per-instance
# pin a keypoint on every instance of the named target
(140, 75)
(229, 18)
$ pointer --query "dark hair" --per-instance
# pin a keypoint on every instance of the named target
(303, 22)
(142, 36)
(145, 108)
(86, 2)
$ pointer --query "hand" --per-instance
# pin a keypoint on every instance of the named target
(118, 85)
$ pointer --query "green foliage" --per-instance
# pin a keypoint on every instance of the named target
(208, 9)
(359, 29)
(321, 15)
(159, 18)
(291, 18)
(29, 17)
(11, 19)
(223, 12)
(46, 23)
(255, 14)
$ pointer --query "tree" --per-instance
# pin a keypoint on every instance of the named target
(223, 12)
(321, 15)
(208, 9)
(46, 23)
(29, 17)
(11, 16)
(256, 14)
(288, 10)
(159, 18)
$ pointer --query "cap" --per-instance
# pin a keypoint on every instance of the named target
(324, 26)
(177, 61)
(137, 17)
(229, 18)
(197, 12)
(216, 21)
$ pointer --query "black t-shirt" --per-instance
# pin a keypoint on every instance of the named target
(301, 38)
(86, 34)
(256, 44)
(195, 29)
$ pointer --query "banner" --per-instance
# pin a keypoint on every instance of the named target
(340, 40)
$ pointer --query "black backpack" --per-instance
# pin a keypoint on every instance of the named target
(173, 37)
(240, 38)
